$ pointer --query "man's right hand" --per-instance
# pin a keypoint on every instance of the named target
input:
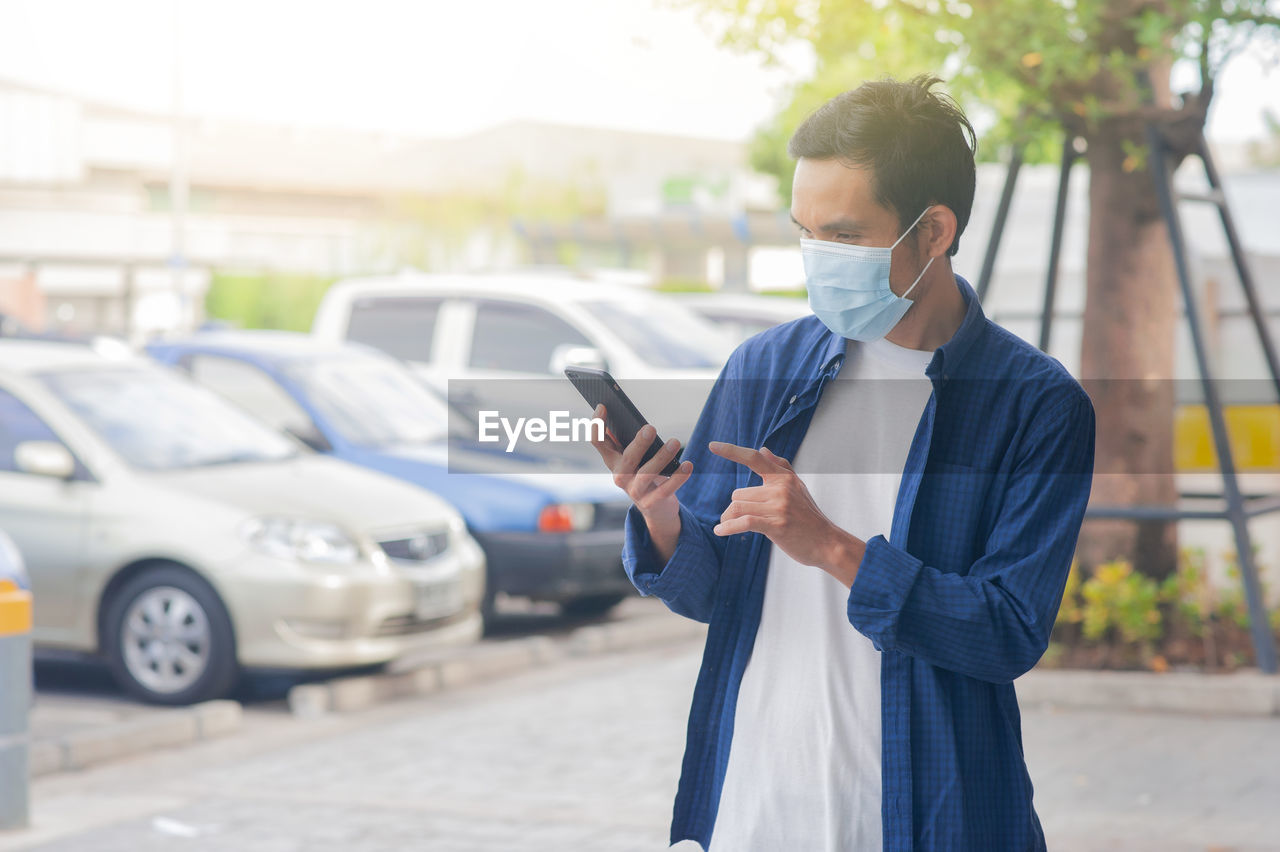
(653, 493)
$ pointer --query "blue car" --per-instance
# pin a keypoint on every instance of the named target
(548, 533)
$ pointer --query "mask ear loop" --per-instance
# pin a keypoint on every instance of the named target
(900, 239)
(909, 227)
(918, 277)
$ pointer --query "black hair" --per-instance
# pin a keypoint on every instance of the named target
(912, 140)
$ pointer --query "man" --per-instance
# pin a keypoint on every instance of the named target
(875, 514)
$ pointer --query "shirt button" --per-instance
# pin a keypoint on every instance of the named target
(793, 399)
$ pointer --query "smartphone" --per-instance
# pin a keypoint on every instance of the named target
(622, 418)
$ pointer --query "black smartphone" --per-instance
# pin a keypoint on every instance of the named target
(622, 418)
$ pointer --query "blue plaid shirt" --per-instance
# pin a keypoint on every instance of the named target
(959, 598)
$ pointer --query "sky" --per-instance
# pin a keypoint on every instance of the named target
(442, 68)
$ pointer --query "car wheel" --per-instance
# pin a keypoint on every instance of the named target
(591, 604)
(168, 638)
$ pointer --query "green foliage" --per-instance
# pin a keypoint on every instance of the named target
(265, 300)
(1033, 64)
(1121, 607)
(1188, 593)
(1120, 601)
(684, 285)
(1070, 611)
(1232, 604)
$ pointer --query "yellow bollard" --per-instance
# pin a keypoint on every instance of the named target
(15, 699)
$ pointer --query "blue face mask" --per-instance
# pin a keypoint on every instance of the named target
(849, 286)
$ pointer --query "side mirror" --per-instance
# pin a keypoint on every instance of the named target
(44, 458)
(311, 437)
(573, 355)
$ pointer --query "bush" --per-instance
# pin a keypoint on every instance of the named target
(1118, 618)
(279, 301)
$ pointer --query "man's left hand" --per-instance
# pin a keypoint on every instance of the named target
(782, 509)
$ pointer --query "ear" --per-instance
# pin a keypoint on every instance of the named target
(936, 231)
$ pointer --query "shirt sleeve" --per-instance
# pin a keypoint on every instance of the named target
(687, 582)
(992, 623)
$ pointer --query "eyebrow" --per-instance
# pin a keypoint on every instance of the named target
(838, 225)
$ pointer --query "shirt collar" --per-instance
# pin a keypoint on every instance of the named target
(946, 357)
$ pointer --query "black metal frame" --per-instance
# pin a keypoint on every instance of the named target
(1238, 508)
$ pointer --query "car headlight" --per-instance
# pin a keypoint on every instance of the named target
(566, 517)
(308, 541)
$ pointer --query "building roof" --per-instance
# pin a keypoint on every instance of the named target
(549, 286)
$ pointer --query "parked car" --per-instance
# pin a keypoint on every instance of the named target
(182, 540)
(550, 531)
(742, 315)
(501, 341)
(456, 326)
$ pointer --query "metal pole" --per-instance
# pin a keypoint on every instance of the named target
(15, 700)
(1055, 244)
(1242, 268)
(178, 179)
(997, 227)
(1260, 628)
(130, 301)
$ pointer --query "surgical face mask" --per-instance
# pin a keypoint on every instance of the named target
(849, 286)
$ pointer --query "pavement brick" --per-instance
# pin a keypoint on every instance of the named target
(309, 700)
(216, 718)
(355, 693)
(85, 748)
(45, 757)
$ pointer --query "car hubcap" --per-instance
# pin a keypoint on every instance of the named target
(166, 639)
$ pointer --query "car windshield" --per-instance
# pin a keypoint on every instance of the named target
(158, 420)
(370, 400)
(663, 333)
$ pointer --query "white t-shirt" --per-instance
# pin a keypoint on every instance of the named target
(804, 762)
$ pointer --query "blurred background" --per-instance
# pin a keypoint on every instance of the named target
(162, 161)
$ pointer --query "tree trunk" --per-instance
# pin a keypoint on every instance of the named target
(1127, 355)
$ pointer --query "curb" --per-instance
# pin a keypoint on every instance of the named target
(1240, 693)
(479, 663)
(159, 729)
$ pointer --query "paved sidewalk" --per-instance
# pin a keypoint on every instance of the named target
(81, 717)
(585, 755)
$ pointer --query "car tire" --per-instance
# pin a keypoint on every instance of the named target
(591, 605)
(489, 603)
(168, 639)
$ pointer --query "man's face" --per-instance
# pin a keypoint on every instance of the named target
(831, 201)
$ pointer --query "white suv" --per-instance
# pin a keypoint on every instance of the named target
(463, 332)
(520, 325)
